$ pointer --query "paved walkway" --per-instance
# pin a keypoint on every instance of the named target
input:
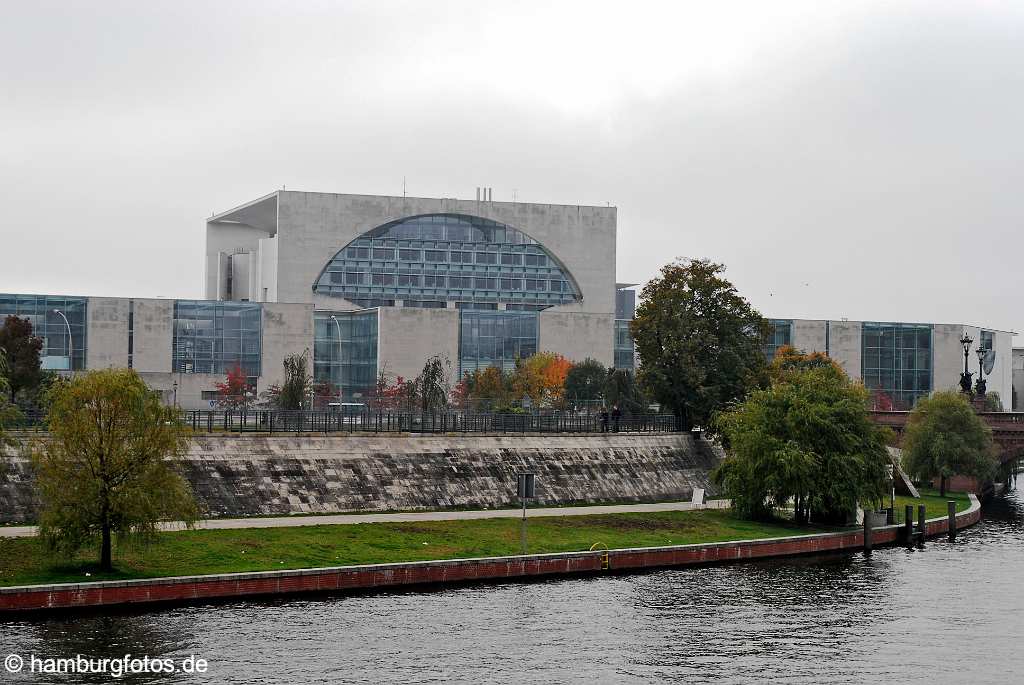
(348, 519)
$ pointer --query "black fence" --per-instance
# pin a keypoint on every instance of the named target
(392, 421)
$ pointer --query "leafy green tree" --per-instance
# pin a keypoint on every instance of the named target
(585, 381)
(807, 440)
(432, 384)
(621, 389)
(788, 359)
(22, 350)
(108, 465)
(945, 437)
(9, 413)
(698, 340)
(294, 392)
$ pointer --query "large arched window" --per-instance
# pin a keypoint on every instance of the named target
(433, 259)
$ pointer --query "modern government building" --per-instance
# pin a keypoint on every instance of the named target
(371, 284)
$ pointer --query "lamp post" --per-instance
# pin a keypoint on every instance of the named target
(965, 377)
(980, 386)
(71, 364)
(174, 387)
(340, 365)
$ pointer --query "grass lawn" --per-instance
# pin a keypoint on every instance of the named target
(935, 505)
(25, 561)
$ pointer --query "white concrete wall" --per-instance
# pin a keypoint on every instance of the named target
(407, 337)
(287, 330)
(577, 336)
(949, 360)
(313, 227)
(227, 238)
(154, 335)
(107, 335)
(845, 339)
(267, 283)
(809, 335)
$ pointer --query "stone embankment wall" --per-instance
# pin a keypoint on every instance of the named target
(235, 476)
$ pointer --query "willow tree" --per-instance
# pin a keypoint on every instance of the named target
(108, 465)
(806, 441)
(945, 437)
(699, 341)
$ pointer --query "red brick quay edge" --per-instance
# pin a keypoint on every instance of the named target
(196, 588)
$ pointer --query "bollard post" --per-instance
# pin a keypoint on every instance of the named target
(890, 516)
(908, 524)
(868, 516)
(951, 517)
(921, 518)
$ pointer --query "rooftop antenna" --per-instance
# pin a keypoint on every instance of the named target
(515, 195)
(403, 186)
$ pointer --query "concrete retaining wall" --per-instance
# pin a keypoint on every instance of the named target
(237, 476)
(192, 588)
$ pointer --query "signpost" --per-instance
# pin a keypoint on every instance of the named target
(527, 490)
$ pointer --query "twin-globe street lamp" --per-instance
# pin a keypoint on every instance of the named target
(965, 377)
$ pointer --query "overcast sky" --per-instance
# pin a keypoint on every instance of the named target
(859, 160)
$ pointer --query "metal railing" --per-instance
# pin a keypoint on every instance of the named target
(396, 421)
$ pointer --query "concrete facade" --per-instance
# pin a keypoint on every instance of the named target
(843, 342)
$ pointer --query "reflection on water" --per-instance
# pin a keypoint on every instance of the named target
(952, 612)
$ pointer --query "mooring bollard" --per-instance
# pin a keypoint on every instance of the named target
(908, 524)
(868, 521)
(921, 518)
(890, 516)
(951, 517)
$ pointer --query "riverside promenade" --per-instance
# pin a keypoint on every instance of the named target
(411, 517)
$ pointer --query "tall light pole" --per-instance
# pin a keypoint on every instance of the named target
(980, 384)
(341, 366)
(965, 377)
(71, 363)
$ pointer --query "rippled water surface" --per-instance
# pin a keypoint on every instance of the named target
(950, 613)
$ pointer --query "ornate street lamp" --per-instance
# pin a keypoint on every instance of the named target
(980, 386)
(965, 377)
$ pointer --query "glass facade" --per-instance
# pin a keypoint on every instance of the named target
(214, 337)
(624, 351)
(780, 332)
(896, 359)
(345, 353)
(50, 326)
(446, 258)
(495, 338)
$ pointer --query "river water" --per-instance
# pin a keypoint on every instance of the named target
(950, 613)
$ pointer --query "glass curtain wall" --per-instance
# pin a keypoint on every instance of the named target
(896, 360)
(495, 339)
(780, 333)
(214, 337)
(427, 261)
(624, 350)
(345, 353)
(49, 325)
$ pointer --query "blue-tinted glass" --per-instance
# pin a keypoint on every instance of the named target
(443, 249)
(780, 333)
(495, 338)
(345, 353)
(41, 312)
(896, 362)
(214, 337)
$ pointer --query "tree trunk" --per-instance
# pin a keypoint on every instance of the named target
(942, 486)
(105, 562)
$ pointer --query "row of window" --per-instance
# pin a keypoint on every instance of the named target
(896, 362)
(402, 280)
(495, 338)
(47, 314)
(408, 254)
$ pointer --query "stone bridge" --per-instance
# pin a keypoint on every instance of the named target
(1007, 429)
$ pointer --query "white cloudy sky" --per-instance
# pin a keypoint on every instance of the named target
(842, 159)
